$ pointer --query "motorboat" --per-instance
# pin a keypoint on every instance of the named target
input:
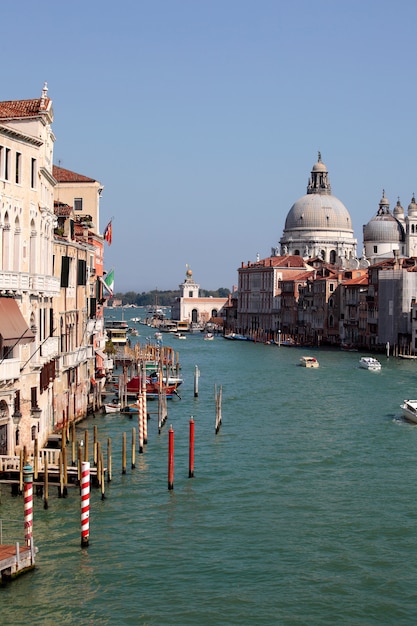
(208, 337)
(369, 363)
(409, 409)
(112, 407)
(309, 361)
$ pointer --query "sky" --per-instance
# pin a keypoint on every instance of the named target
(202, 119)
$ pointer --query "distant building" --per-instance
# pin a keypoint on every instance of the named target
(196, 311)
(319, 225)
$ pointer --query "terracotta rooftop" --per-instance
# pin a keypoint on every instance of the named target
(277, 261)
(66, 176)
(11, 109)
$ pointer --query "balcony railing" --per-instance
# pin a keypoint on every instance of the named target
(50, 347)
(72, 359)
(9, 369)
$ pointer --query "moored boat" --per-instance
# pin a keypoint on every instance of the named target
(309, 361)
(409, 409)
(112, 407)
(370, 363)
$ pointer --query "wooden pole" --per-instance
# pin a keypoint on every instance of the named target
(64, 471)
(35, 459)
(73, 444)
(124, 454)
(21, 463)
(171, 458)
(109, 460)
(133, 447)
(86, 446)
(191, 450)
(45, 481)
(196, 377)
(95, 456)
(102, 477)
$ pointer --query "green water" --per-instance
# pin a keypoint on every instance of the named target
(302, 509)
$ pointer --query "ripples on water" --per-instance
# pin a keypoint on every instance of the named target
(302, 509)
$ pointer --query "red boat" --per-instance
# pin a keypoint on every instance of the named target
(152, 388)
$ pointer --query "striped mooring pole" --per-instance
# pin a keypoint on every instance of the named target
(171, 458)
(28, 502)
(85, 503)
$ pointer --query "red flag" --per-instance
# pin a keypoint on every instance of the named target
(108, 233)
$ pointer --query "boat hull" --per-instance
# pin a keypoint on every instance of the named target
(409, 410)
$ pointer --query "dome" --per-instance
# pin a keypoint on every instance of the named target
(398, 210)
(412, 207)
(318, 212)
(383, 228)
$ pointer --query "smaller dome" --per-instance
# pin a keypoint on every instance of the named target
(398, 209)
(412, 207)
(384, 202)
(384, 227)
(319, 167)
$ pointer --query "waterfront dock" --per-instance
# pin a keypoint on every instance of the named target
(15, 560)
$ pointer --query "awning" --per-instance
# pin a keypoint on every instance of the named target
(101, 354)
(13, 328)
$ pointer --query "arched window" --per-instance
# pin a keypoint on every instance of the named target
(333, 257)
(194, 315)
(6, 242)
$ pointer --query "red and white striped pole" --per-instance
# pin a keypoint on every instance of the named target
(28, 502)
(140, 421)
(191, 450)
(145, 416)
(171, 458)
(85, 503)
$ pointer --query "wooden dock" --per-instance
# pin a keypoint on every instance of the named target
(15, 560)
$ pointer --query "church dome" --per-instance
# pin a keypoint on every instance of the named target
(384, 227)
(318, 223)
(318, 212)
(412, 207)
(398, 210)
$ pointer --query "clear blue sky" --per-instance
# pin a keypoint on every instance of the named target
(203, 118)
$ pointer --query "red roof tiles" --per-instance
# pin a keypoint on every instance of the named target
(66, 176)
(23, 108)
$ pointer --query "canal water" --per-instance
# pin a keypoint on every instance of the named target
(303, 508)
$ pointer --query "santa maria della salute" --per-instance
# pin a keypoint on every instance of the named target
(318, 223)
(317, 288)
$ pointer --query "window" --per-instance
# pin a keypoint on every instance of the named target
(18, 177)
(331, 287)
(65, 271)
(33, 171)
(82, 272)
(34, 398)
(375, 249)
(78, 204)
(7, 164)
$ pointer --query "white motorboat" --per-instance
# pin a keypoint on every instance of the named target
(369, 363)
(112, 407)
(208, 337)
(409, 409)
(309, 361)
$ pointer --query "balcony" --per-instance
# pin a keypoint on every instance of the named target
(9, 370)
(14, 281)
(50, 347)
(45, 284)
(73, 359)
